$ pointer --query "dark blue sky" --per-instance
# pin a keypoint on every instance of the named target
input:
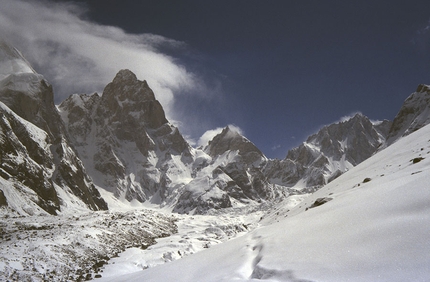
(285, 68)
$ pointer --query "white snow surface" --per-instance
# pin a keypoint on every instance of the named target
(195, 233)
(374, 226)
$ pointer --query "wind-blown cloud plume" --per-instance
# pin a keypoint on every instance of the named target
(76, 55)
(210, 134)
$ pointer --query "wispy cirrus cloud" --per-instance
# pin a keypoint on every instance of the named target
(77, 55)
(421, 39)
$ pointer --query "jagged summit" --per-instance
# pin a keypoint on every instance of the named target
(126, 95)
(125, 140)
(356, 139)
(125, 85)
(230, 139)
(423, 88)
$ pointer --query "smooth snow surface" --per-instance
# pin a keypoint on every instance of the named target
(373, 225)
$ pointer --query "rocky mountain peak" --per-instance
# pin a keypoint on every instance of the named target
(414, 114)
(230, 139)
(129, 100)
(330, 152)
(126, 86)
(125, 140)
(423, 88)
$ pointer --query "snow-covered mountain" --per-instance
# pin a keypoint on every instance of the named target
(231, 178)
(40, 171)
(130, 149)
(335, 149)
(126, 142)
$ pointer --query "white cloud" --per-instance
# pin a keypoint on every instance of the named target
(276, 147)
(348, 117)
(76, 55)
(421, 39)
(210, 134)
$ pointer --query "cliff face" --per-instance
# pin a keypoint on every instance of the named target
(35, 148)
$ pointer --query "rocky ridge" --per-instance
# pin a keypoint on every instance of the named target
(333, 150)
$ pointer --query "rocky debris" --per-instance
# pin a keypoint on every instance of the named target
(75, 247)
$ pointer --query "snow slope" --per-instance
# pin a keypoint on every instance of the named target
(372, 224)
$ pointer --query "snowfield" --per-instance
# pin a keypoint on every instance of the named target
(370, 224)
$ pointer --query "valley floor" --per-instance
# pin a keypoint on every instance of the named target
(99, 245)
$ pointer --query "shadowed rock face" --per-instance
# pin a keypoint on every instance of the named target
(26, 161)
(126, 94)
(231, 140)
(29, 96)
(414, 114)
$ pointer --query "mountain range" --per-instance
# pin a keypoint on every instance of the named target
(55, 159)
